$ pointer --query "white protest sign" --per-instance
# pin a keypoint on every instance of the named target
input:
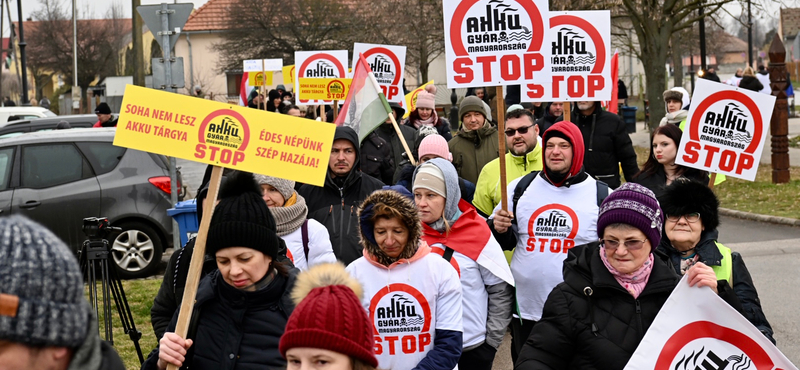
(495, 42)
(580, 59)
(388, 64)
(696, 329)
(318, 64)
(258, 65)
(725, 130)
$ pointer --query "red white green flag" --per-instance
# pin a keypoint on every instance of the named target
(366, 106)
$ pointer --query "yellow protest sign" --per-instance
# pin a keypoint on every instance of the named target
(324, 88)
(411, 98)
(288, 75)
(225, 135)
(257, 79)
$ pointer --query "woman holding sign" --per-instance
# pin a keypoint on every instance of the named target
(660, 169)
(692, 218)
(612, 290)
(241, 309)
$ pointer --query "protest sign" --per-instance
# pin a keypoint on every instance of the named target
(496, 42)
(257, 65)
(388, 64)
(411, 99)
(288, 74)
(220, 134)
(580, 59)
(696, 329)
(725, 130)
(257, 78)
(324, 88)
(318, 64)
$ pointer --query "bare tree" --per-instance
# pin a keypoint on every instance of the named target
(49, 40)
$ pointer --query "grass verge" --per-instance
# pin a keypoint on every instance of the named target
(760, 196)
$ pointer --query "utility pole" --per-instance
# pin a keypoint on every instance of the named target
(22, 46)
(74, 53)
(702, 40)
(749, 35)
(138, 48)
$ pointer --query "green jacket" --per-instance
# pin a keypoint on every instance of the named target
(487, 190)
(474, 149)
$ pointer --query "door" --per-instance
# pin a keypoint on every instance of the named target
(6, 190)
(57, 189)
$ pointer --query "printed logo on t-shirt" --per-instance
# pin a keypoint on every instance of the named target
(552, 228)
(401, 319)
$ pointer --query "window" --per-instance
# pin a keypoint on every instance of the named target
(50, 165)
(103, 156)
(6, 163)
(234, 83)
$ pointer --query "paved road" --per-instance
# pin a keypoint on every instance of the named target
(772, 254)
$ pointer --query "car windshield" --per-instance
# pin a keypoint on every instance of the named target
(49, 113)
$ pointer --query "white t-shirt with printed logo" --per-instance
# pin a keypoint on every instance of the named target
(407, 304)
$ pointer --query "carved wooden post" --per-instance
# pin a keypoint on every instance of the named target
(779, 124)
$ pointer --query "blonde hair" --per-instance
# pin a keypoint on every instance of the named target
(749, 72)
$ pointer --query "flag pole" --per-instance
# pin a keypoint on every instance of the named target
(501, 140)
(264, 85)
(335, 110)
(391, 117)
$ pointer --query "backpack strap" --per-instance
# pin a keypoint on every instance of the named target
(602, 191)
(304, 233)
(448, 253)
(522, 185)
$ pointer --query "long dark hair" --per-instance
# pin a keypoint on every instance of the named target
(669, 130)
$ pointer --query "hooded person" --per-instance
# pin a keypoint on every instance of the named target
(387, 132)
(562, 193)
(454, 230)
(328, 323)
(274, 101)
(307, 241)
(673, 102)
(400, 275)
(476, 143)
(424, 114)
(692, 212)
(335, 204)
(170, 293)
(45, 321)
(613, 289)
(247, 297)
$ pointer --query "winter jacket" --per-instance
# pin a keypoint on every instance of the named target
(387, 132)
(548, 120)
(474, 149)
(657, 180)
(442, 124)
(376, 158)
(406, 176)
(751, 83)
(762, 76)
(335, 204)
(709, 251)
(94, 353)
(590, 321)
(110, 123)
(487, 190)
(319, 246)
(235, 329)
(607, 146)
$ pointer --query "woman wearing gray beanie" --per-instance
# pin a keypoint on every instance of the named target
(307, 241)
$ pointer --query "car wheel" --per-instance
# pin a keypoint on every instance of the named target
(136, 250)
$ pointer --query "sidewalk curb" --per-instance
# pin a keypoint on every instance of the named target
(761, 218)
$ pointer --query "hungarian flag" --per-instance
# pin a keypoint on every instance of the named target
(243, 90)
(613, 105)
(365, 107)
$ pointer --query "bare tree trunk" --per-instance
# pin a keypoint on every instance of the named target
(677, 60)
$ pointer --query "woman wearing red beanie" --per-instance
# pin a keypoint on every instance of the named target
(329, 325)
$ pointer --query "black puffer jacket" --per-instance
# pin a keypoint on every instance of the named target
(387, 132)
(657, 180)
(751, 83)
(335, 204)
(442, 124)
(376, 158)
(607, 146)
(236, 329)
(743, 285)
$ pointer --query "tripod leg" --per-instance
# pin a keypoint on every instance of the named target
(124, 311)
(108, 320)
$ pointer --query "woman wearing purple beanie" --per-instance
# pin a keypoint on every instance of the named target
(612, 290)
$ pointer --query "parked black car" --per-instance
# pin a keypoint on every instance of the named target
(58, 178)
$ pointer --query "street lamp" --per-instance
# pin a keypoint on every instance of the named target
(22, 46)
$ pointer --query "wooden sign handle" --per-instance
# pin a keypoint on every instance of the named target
(711, 180)
(335, 110)
(196, 264)
(402, 140)
(501, 141)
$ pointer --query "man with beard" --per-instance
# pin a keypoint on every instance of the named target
(524, 156)
(608, 146)
(553, 112)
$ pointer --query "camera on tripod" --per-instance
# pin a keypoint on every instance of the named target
(97, 228)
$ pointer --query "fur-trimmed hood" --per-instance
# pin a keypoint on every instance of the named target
(685, 196)
(323, 275)
(408, 214)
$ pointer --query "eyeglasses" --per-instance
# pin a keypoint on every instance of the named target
(631, 245)
(522, 131)
(691, 217)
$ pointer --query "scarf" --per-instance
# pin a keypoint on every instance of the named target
(674, 117)
(688, 262)
(634, 282)
(291, 216)
(430, 122)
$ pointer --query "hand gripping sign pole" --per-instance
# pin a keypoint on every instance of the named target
(501, 141)
(196, 264)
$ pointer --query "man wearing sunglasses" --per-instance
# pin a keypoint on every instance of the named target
(524, 156)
